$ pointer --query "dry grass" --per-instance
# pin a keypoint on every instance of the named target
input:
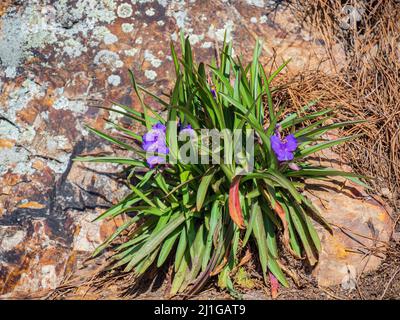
(368, 87)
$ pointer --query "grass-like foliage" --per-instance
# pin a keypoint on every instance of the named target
(201, 218)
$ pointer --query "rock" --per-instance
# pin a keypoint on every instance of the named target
(61, 59)
(361, 228)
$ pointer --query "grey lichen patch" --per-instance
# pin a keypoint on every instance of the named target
(74, 48)
(19, 98)
(95, 11)
(61, 164)
(110, 38)
(180, 18)
(23, 163)
(17, 159)
(98, 35)
(195, 38)
(263, 19)
(150, 12)
(61, 25)
(124, 10)
(114, 80)
(219, 33)
(20, 158)
(76, 106)
(206, 45)
(256, 3)
(144, 1)
(163, 3)
(10, 238)
(55, 143)
(17, 38)
(127, 27)
(150, 74)
(109, 59)
(114, 117)
(150, 57)
(8, 131)
(179, 11)
(131, 52)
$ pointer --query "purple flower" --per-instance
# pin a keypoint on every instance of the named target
(284, 147)
(154, 160)
(155, 138)
(158, 146)
(154, 141)
(213, 92)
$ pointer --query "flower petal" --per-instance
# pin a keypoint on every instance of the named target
(285, 155)
(160, 126)
(154, 160)
(283, 149)
(158, 146)
(291, 143)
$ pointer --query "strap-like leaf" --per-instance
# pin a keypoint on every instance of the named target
(235, 209)
(202, 191)
(261, 238)
(154, 241)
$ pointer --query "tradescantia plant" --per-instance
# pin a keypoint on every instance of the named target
(202, 217)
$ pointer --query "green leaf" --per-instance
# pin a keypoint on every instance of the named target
(271, 237)
(279, 70)
(180, 250)
(135, 87)
(321, 172)
(274, 267)
(214, 220)
(142, 196)
(304, 235)
(324, 129)
(249, 227)
(167, 246)
(142, 267)
(202, 191)
(111, 238)
(261, 238)
(180, 273)
(294, 244)
(311, 230)
(294, 119)
(110, 139)
(118, 208)
(196, 255)
(154, 241)
(118, 160)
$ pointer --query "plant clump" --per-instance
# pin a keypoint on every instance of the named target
(199, 217)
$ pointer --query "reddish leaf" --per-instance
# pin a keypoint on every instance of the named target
(219, 268)
(274, 285)
(235, 209)
(247, 257)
